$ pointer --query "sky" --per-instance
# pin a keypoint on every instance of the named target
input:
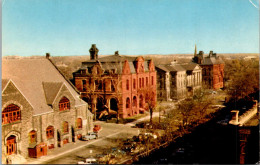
(133, 27)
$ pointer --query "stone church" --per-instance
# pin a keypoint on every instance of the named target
(116, 84)
(212, 69)
(41, 110)
(176, 81)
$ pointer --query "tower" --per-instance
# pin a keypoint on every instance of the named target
(93, 52)
(195, 52)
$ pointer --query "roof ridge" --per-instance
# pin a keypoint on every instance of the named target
(64, 76)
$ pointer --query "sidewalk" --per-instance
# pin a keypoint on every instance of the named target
(68, 148)
(108, 130)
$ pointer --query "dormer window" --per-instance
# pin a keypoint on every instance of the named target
(64, 104)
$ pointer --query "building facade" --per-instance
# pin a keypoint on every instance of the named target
(40, 110)
(176, 81)
(212, 69)
(116, 84)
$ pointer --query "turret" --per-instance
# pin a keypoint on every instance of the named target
(93, 52)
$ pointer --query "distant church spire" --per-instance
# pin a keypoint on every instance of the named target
(195, 52)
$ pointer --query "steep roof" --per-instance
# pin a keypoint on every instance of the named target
(4, 83)
(171, 68)
(51, 89)
(190, 66)
(36, 78)
(114, 62)
(212, 60)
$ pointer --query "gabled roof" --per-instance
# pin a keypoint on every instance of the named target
(51, 89)
(171, 68)
(29, 76)
(115, 62)
(190, 66)
(4, 83)
(211, 60)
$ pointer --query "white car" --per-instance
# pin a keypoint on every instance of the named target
(90, 136)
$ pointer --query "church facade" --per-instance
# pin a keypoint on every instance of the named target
(116, 84)
(41, 110)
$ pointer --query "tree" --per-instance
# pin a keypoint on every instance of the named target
(150, 100)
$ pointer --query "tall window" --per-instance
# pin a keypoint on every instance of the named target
(100, 85)
(127, 102)
(152, 80)
(142, 82)
(65, 127)
(84, 83)
(11, 114)
(50, 132)
(134, 83)
(127, 84)
(134, 101)
(146, 81)
(32, 137)
(79, 123)
(64, 104)
(112, 86)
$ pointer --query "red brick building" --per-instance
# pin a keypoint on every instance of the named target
(212, 69)
(116, 84)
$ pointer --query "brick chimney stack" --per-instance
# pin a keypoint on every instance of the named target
(48, 55)
(93, 52)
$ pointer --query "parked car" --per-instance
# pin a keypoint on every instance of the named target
(96, 128)
(90, 136)
(91, 161)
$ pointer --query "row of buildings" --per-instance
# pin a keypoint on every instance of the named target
(42, 110)
(122, 84)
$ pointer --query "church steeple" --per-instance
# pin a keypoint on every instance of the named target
(195, 52)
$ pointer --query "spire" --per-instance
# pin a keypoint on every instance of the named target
(195, 52)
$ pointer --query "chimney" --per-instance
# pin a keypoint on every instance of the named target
(211, 53)
(93, 52)
(48, 55)
(117, 53)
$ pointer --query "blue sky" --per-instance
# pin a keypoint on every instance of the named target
(134, 27)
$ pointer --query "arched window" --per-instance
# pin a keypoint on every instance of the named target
(50, 132)
(127, 84)
(146, 81)
(79, 123)
(10, 114)
(134, 83)
(127, 102)
(64, 104)
(134, 101)
(32, 137)
(152, 80)
(65, 127)
(142, 82)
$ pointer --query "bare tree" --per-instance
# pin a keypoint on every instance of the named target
(150, 101)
